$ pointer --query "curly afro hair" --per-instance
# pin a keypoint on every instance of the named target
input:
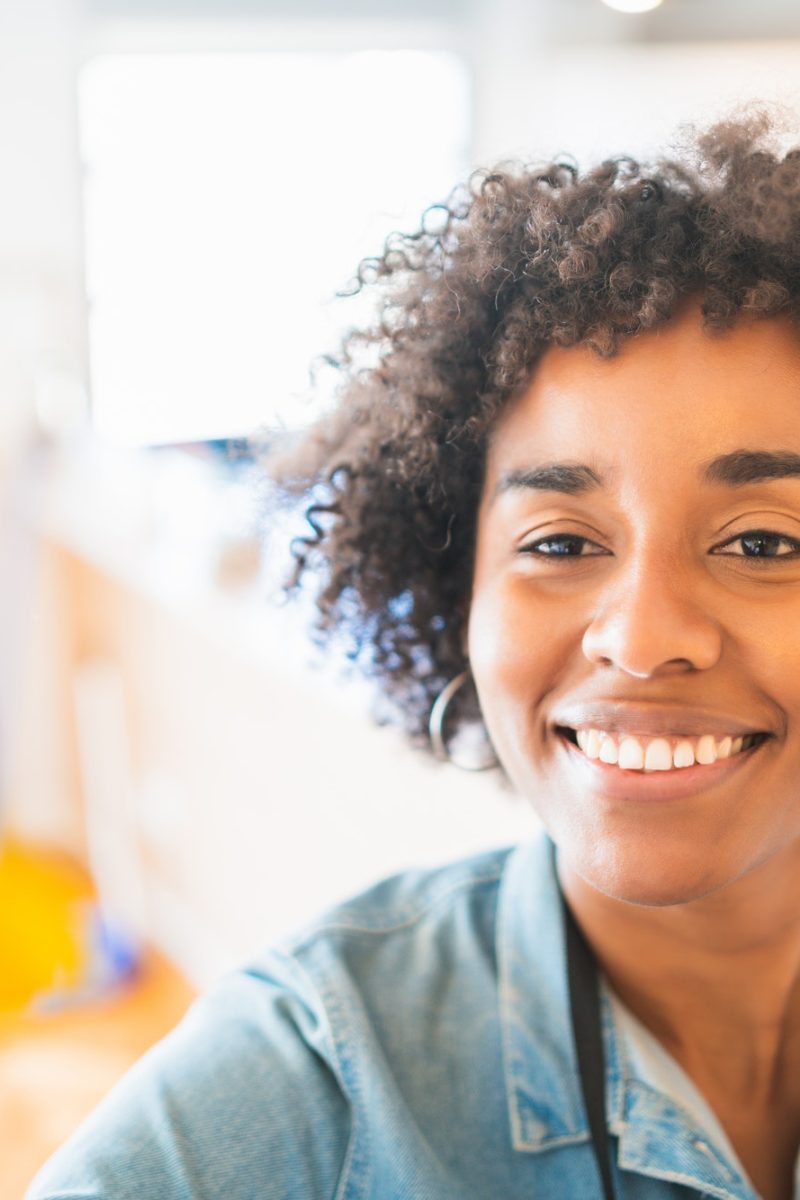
(520, 258)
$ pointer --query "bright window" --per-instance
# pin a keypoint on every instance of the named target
(227, 198)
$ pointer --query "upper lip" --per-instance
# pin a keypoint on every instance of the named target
(653, 720)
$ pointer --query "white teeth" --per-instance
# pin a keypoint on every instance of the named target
(655, 754)
(631, 754)
(608, 750)
(706, 750)
(683, 754)
(658, 756)
(724, 747)
(593, 744)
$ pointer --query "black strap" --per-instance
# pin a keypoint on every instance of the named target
(584, 1003)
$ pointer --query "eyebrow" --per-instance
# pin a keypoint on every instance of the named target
(741, 467)
(572, 478)
(735, 469)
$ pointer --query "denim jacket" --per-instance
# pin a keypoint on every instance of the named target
(413, 1043)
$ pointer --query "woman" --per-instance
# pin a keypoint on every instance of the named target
(562, 485)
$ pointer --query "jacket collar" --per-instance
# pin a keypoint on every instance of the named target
(545, 1106)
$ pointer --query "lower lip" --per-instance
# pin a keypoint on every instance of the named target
(675, 784)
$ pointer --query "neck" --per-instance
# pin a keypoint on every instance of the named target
(716, 980)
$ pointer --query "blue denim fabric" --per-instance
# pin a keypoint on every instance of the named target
(415, 1042)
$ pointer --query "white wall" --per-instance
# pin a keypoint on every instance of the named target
(633, 99)
(41, 293)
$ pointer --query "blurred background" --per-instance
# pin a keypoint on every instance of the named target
(185, 187)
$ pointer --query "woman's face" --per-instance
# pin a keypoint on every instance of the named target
(646, 613)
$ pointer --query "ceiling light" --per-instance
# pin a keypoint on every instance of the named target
(632, 6)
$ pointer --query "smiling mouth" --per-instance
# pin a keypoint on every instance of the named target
(651, 755)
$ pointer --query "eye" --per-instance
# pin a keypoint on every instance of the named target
(760, 544)
(562, 545)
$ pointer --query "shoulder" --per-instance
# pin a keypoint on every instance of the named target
(379, 952)
(415, 918)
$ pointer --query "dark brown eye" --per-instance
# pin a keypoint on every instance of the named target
(762, 545)
(562, 546)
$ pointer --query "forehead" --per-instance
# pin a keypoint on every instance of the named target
(675, 396)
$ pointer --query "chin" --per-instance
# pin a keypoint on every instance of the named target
(652, 876)
(658, 893)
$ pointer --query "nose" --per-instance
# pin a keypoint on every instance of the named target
(651, 621)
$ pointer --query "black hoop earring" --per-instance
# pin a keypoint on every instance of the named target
(436, 726)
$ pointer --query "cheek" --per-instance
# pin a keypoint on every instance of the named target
(516, 655)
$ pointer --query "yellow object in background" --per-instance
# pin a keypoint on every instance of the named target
(44, 902)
